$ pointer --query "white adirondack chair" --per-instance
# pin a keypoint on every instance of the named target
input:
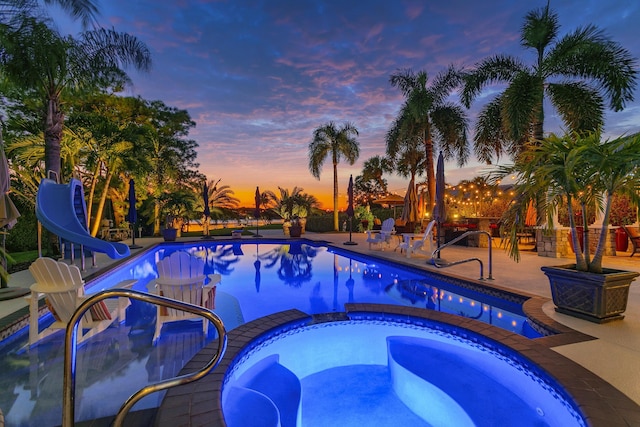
(423, 245)
(63, 288)
(181, 277)
(382, 236)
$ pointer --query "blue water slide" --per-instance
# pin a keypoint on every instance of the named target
(62, 210)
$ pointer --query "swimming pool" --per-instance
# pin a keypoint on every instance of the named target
(267, 277)
(388, 372)
(259, 278)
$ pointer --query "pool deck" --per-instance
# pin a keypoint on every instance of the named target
(614, 354)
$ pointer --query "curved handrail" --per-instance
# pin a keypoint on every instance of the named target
(70, 348)
(451, 264)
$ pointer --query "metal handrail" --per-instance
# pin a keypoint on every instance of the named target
(70, 349)
(457, 239)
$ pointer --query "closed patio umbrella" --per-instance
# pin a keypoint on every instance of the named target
(206, 212)
(256, 212)
(439, 210)
(350, 210)
(410, 208)
(8, 218)
(531, 218)
(132, 216)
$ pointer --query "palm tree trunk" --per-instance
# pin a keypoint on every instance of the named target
(581, 263)
(335, 197)
(156, 217)
(596, 263)
(92, 190)
(103, 199)
(54, 119)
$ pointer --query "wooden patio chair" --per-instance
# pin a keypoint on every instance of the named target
(62, 287)
(634, 236)
(181, 277)
(382, 236)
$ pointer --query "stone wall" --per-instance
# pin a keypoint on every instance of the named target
(555, 243)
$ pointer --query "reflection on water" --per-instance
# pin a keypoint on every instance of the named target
(257, 280)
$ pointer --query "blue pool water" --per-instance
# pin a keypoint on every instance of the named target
(257, 280)
(387, 373)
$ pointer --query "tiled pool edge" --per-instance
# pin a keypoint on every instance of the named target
(200, 403)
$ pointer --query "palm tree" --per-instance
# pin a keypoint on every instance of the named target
(574, 167)
(577, 73)
(221, 198)
(84, 10)
(289, 204)
(38, 61)
(374, 168)
(429, 117)
(338, 143)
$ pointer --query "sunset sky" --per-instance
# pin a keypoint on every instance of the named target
(258, 76)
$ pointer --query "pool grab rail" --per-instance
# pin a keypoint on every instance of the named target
(70, 348)
(441, 264)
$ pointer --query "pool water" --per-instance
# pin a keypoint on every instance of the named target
(257, 280)
(349, 395)
(365, 372)
(265, 278)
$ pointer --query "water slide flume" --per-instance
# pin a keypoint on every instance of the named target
(62, 210)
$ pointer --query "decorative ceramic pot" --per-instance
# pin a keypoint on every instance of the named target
(169, 234)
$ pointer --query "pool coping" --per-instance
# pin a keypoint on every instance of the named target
(200, 402)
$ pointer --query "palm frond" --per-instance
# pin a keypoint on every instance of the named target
(581, 107)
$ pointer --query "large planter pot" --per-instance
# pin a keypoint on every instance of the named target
(169, 234)
(622, 241)
(295, 231)
(595, 297)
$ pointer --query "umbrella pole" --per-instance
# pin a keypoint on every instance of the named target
(257, 234)
(133, 238)
(350, 242)
(4, 283)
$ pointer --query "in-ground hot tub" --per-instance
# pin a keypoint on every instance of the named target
(389, 372)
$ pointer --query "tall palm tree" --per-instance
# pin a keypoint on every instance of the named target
(430, 117)
(578, 73)
(337, 142)
(42, 63)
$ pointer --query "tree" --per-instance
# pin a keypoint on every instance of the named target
(574, 167)
(221, 198)
(427, 116)
(374, 168)
(577, 73)
(39, 62)
(366, 191)
(329, 140)
(288, 204)
(12, 10)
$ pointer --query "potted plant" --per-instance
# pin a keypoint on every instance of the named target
(293, 208)
(169, 232)
(555, 172)
(295, 229)
(622, 213)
